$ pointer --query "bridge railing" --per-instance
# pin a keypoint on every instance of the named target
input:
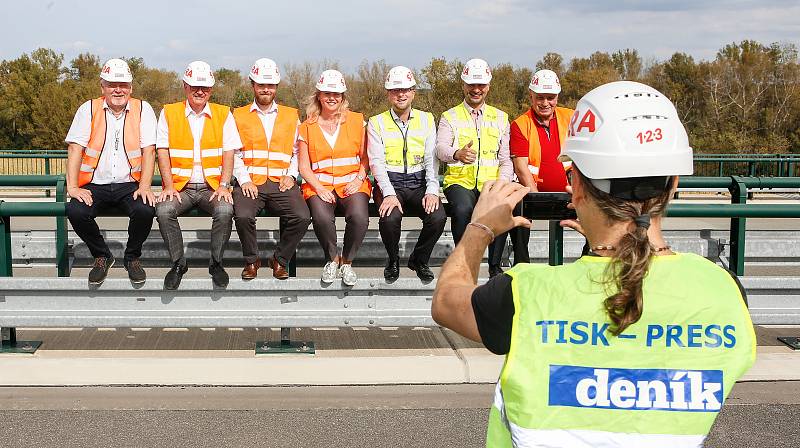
(26, 162)
(752, 165)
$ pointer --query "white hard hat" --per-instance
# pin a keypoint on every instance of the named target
(400, 78)
(476, 71)
(265, 71)
(626, 129)
(331, 81)
(116, 70)
(545, 81)
(199, 74)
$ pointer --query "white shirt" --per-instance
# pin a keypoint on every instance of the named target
(331, 138)
(268, 122)
(113, 166)
(230, 137)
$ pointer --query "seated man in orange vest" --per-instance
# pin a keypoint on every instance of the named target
(196, 144)
(269, 175)
(110, 163)
(537, 137)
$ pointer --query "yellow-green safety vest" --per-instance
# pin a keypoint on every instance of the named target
(404, 155)
(487, 145)
(568, 382)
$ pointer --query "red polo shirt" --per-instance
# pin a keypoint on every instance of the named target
(551, 172)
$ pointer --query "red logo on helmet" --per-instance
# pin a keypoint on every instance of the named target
(107, 69)
(536, 81)
(255, 70)
(588, 121)
(466, 70)
(410, 76)
(188, 73)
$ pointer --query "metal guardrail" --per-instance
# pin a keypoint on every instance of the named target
(37, 302)
(737, 211)
(306, 302)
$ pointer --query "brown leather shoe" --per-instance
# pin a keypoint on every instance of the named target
(278, 271)
(250, 270)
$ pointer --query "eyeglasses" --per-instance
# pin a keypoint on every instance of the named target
(399, 91)
(200, 88)
(569, 176)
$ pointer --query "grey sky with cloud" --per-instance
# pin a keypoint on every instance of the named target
(232, 34)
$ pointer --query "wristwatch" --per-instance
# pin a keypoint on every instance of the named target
(361, 177)
(225, 185)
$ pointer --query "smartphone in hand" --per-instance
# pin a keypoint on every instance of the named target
(547, 206)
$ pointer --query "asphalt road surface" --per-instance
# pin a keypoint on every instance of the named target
(758, 415)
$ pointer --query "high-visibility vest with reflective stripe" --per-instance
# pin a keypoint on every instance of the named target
(181, 144)
(131, 140)
(266, 160)
(404, 156)
(528, 129)
(568, 382)
(487, 165)
(335, 167)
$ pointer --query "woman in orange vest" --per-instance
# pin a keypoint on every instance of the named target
(332, 160)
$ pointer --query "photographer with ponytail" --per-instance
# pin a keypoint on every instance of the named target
(633, 344)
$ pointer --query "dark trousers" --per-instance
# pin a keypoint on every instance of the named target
(195, 195)
(520, 237)
(390, 226)
(462, 202)
(82, 217)
(356, 216)
(289, 205)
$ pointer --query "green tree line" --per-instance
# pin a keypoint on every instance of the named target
(745, 100)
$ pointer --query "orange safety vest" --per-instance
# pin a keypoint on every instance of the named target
(181, 144)
(528, 129)
(266, 160)
(131, 140)
(335, 167)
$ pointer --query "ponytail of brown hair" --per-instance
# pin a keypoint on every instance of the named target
(631, 260)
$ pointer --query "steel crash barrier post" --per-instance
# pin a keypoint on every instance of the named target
(8, 335)
(62, 244)
(285, 345)
(738, 229)
(5, 245)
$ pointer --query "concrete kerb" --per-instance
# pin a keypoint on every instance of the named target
(59, 369)
(459, 365)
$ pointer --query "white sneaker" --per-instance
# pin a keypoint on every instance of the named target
(348, 275)
(330, 272)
